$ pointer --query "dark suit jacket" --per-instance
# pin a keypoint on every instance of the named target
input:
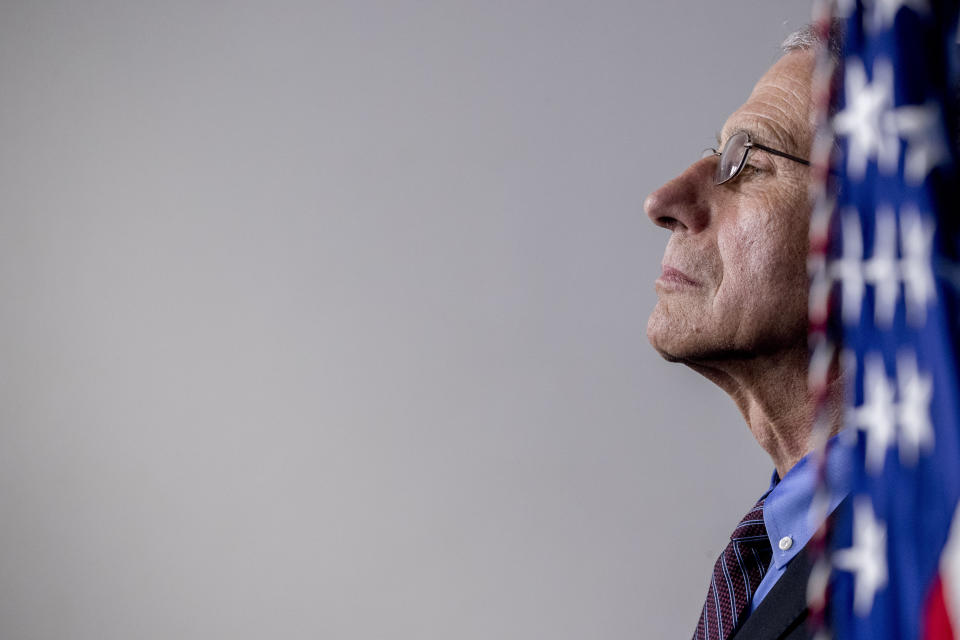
(783, 613)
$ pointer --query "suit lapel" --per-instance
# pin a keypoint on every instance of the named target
(783, 612)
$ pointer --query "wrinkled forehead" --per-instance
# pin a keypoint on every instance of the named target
(779, 111)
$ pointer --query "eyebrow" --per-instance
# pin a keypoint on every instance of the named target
(753, 132)
(761, 135)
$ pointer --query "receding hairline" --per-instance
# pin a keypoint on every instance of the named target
(808, 37)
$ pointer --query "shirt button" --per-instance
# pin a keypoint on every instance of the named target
(785, 543)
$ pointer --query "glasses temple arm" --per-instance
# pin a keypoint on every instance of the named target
(782, 154)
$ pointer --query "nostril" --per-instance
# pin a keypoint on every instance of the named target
(666, 222)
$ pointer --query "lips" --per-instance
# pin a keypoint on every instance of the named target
(675, 277)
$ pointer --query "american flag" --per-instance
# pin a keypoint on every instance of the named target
(891, 264)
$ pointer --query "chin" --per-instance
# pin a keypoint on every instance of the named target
(670, 352)
(666, 338)
(678, 339)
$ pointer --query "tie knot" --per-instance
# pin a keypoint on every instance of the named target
(751, 527)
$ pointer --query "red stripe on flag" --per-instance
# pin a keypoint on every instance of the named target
(936, 620)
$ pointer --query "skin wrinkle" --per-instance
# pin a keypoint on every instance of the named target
(746, 242)
(783, 96)
(792, 93)
(794, 88)
(764, 129)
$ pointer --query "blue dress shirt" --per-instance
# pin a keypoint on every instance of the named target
(787, 515)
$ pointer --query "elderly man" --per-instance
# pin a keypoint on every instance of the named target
(732, 305)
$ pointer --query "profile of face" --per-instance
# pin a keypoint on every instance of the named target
(734, 281)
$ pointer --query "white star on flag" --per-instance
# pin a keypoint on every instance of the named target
(866, 558)
(916, 265)
(867, 119)
(884, 12)
(919, 126)
(876, 416)
(849, 267)
(913, 411)
(883, 269)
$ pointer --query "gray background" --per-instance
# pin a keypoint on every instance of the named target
(326, 319)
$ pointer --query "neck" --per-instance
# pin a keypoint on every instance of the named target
(771, 393)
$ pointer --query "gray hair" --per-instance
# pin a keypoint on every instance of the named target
(808, 37)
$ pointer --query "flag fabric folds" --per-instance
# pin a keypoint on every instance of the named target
(893, 258)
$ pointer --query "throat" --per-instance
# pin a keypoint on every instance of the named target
(784, 434)
(773, 398)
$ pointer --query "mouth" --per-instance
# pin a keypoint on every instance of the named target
(671, 278)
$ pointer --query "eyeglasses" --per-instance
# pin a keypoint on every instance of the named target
(733, 158)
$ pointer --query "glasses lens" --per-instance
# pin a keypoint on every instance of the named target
(732, 158)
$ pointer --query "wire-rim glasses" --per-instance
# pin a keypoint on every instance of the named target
(733, 158)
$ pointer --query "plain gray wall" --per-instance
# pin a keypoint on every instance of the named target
(326, 319)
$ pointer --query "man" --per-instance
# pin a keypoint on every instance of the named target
(732, 305)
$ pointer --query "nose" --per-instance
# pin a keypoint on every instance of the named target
(683, 204)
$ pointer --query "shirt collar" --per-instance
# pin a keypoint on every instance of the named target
(787, 514)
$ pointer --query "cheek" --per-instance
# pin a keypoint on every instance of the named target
(746, 256)
(764, 259)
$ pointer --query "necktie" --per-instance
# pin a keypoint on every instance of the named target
(736, 575)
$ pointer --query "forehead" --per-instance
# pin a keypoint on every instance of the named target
(779, 111)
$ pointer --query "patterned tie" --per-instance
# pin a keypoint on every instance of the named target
(736, 575)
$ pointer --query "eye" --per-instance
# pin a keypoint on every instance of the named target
(751, 170)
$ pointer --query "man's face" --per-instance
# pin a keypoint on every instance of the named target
(734, 280)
